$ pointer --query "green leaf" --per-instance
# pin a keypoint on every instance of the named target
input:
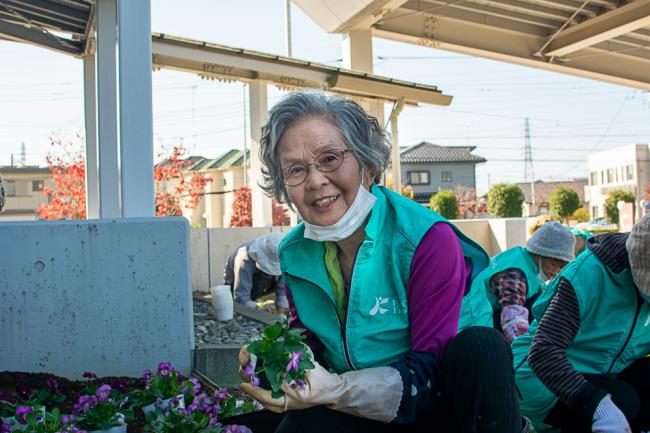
(272, 376)
(273, 332)
(254, 347)
(277, 394)
(305, 364)
(294, 347)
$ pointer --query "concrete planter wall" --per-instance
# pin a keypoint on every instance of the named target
(210, 247)
(108, 296)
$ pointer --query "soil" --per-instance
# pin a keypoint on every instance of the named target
(11, 384)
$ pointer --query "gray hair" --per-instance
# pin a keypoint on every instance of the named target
(365, 137)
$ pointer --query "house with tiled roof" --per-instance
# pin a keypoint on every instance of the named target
(24, 191)
(429, 168)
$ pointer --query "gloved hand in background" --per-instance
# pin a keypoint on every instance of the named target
(608, 418)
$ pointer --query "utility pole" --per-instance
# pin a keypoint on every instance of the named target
(193, 118)
(245, 139)
(287, 27)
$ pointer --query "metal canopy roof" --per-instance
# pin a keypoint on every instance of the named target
(607, 40)
(68, 26)
(60, 25)
(213, 61)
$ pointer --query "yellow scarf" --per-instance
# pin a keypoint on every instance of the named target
(336, 279)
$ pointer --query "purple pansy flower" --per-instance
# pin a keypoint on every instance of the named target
(221, 393)
(298, 384)
(89, 375)
(197, 386)
(23, 392)
(250, 372)
(53, 384)
(66, 419)
(119, 385)
(103, 392)
(21, 411)
(233, 428)
(165, 369)
(294, 361)
(84, 403)
(4, 428)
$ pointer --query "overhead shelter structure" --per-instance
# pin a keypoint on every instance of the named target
(257, 69)
(118, 112)
(606, 40)
(118, 117)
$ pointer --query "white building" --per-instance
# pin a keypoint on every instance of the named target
(626, 168)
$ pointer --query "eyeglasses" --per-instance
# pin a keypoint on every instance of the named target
(324, 162)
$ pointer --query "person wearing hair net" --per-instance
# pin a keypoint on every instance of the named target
(581, 239)
(514, 280)
(2, 194)
(253, 270)
(584, 365)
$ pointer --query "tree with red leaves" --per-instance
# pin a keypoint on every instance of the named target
(175, 189)
(186, 190)
(242, 210)
(67, 198)
(469, 205)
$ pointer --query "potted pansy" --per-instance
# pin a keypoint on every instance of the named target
(165, 384)
(279, 356)
(31, 419)
(201, 416)
(102, 413)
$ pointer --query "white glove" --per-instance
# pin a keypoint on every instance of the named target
(373, 393)
(608, 418)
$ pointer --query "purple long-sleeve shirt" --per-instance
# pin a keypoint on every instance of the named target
(438, 279)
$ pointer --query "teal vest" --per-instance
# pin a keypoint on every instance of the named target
(376, 331)
(480, 302)
(614, 330)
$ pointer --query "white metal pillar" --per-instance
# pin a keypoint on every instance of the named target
(357, 55)
(136, 118)
(108, 174)
(396, 166)
(262, 210)
(90, 119)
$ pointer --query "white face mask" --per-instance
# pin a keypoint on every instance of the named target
(349, 222)
(541, 275)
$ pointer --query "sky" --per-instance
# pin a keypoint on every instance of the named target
(41, 96)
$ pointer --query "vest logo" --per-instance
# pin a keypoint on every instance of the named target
(397, 307)
(379, 301)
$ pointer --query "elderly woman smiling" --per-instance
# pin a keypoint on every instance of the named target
(377, 281)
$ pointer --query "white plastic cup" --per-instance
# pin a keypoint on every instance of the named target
(222, 302)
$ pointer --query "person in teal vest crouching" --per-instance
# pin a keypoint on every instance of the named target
(581, 239)
(502, 294)
(377, 281)
(584, 366)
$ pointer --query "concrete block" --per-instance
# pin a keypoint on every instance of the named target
(219, 363)
(108, 296)
(199, 259)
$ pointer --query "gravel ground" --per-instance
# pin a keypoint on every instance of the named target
(208, 330)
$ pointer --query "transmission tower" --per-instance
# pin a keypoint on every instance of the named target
(23, 155)
(528, 153)
(528, 164)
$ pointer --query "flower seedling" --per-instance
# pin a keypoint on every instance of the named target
(100, 411)
(279, 356)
